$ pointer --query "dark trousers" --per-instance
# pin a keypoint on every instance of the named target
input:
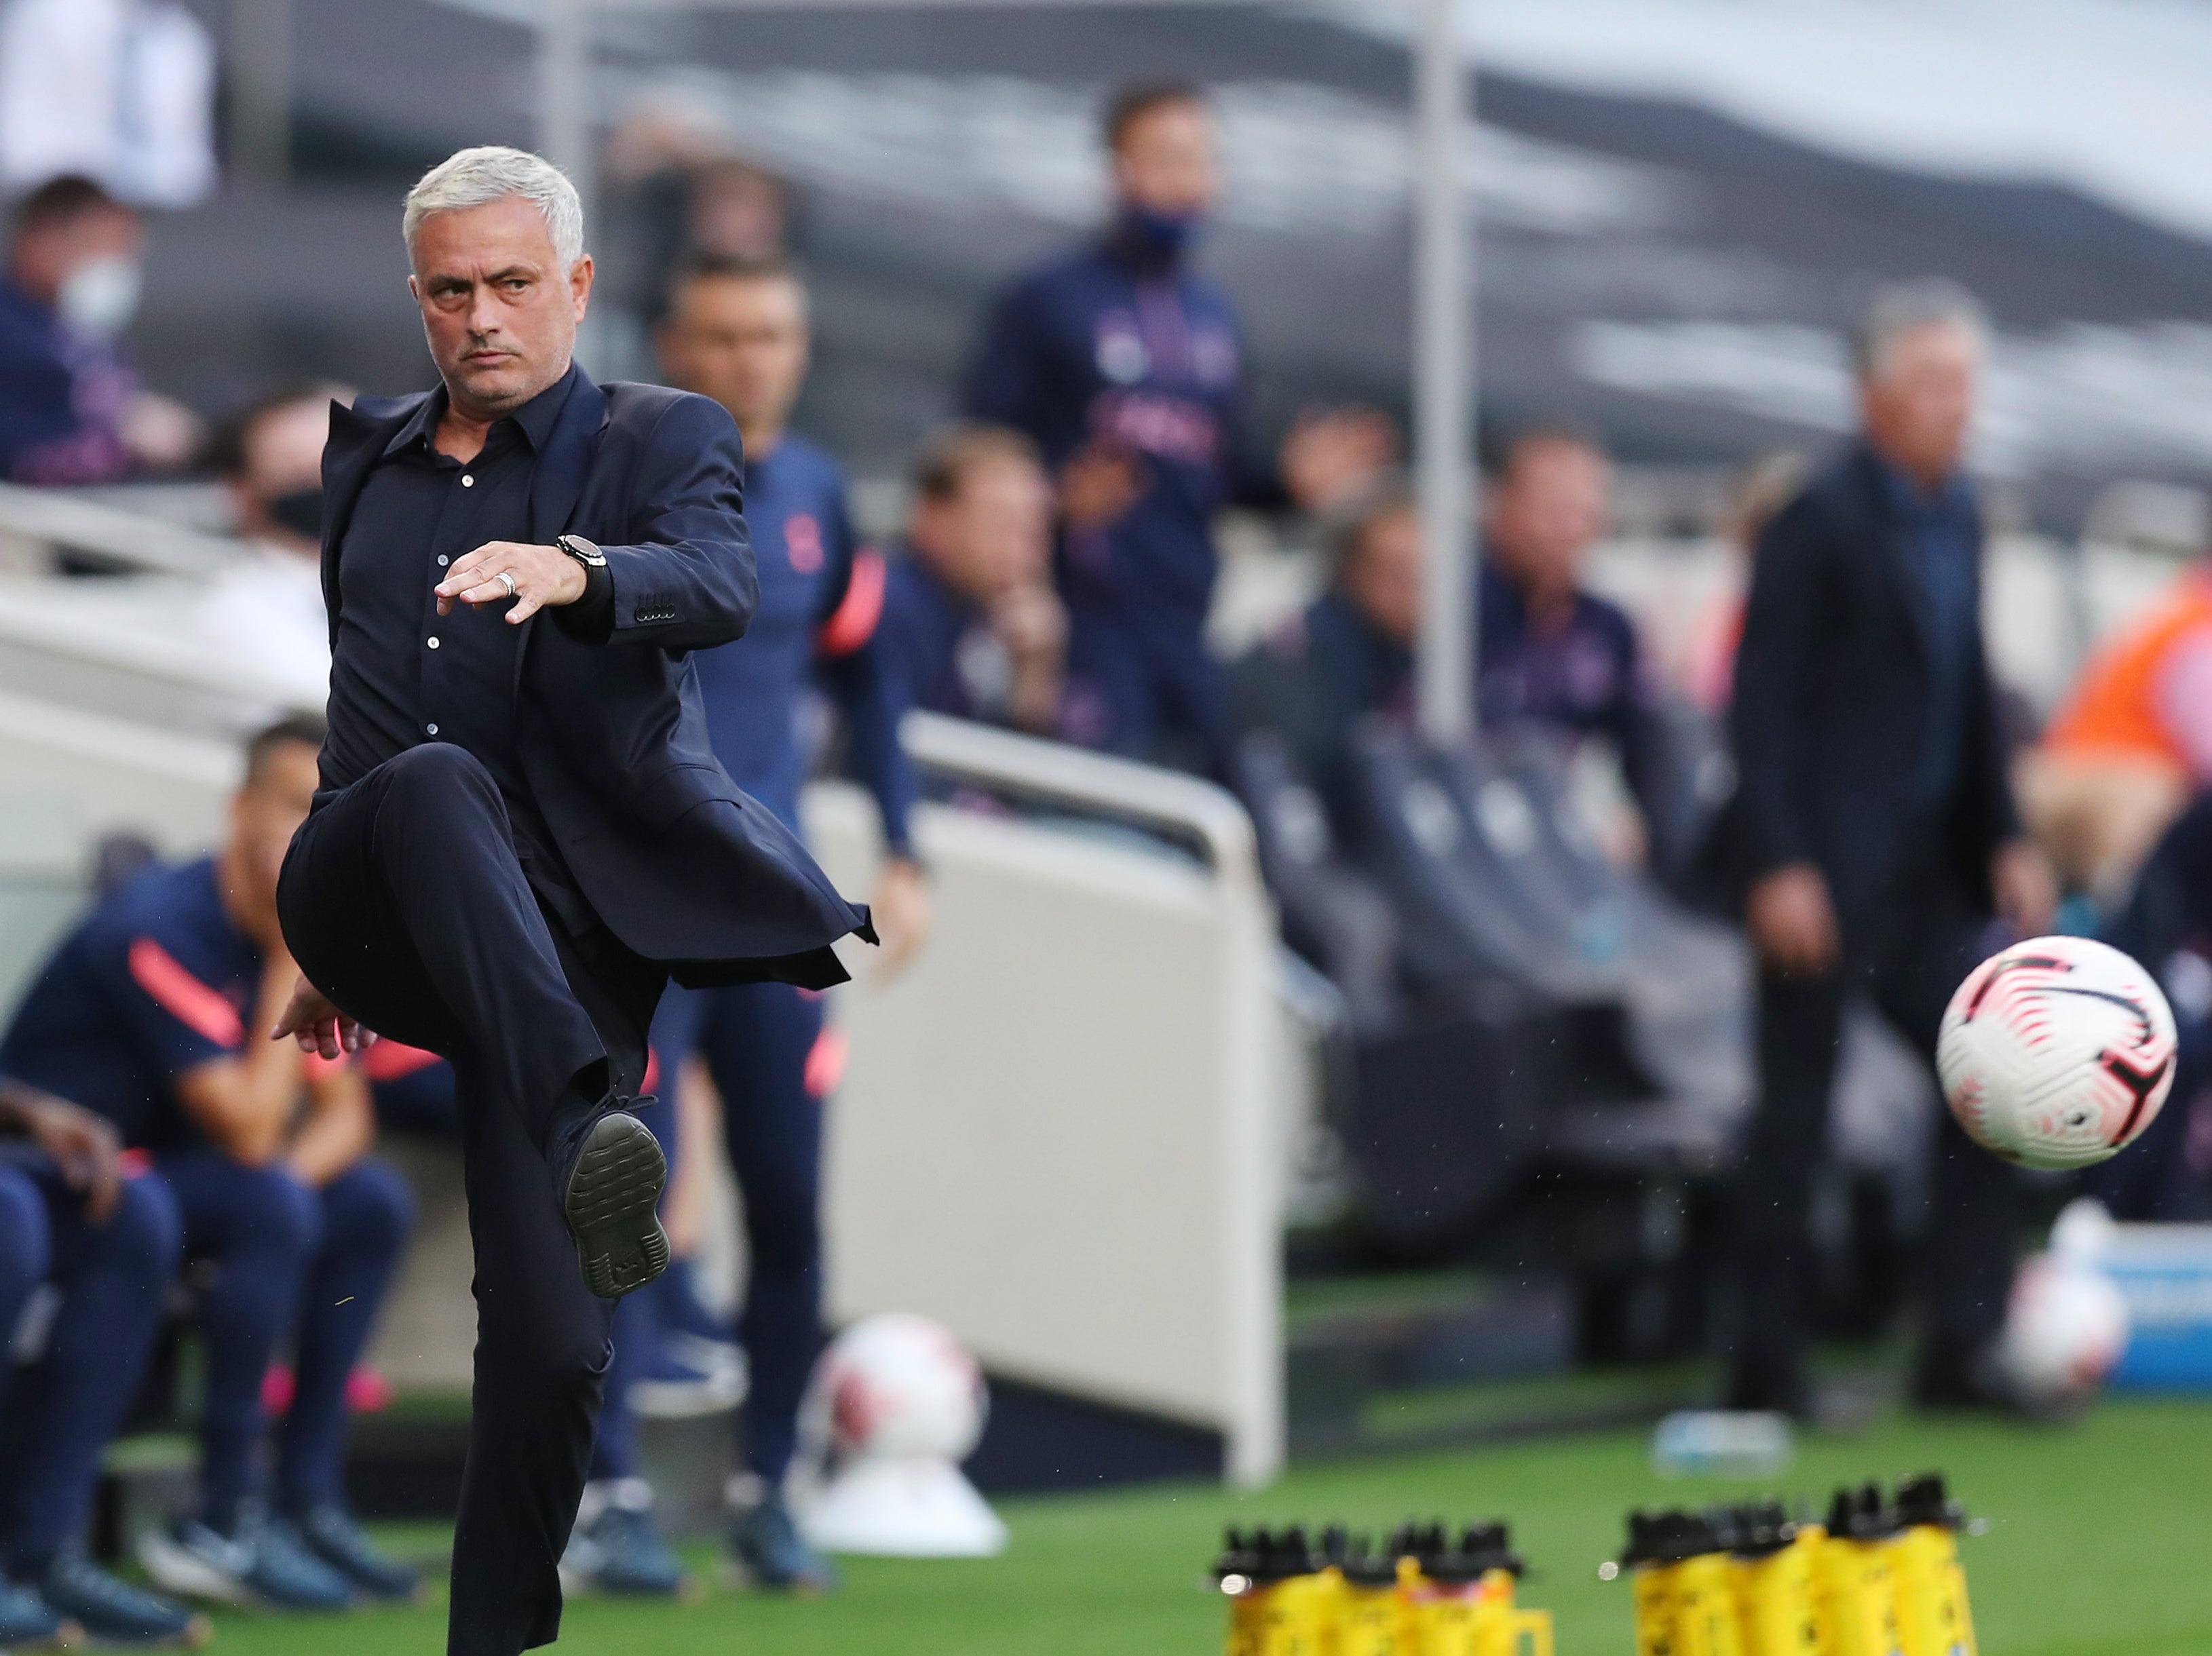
(294, 1265)
(762, 1044)
(403, 901)
(57, 1415)
(1919, 956)
(1142, 683)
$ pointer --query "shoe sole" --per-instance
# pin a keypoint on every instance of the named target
(612, 1203)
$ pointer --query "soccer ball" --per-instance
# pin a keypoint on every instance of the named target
(2057, 1052)
(900, 1385)
(2066, 1328)
(894, 1405)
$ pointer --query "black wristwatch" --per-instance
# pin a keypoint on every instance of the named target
(583, 551)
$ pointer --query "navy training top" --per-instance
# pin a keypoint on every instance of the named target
(156, 981)
(62, 398)
(1113, 346)
(821, 599)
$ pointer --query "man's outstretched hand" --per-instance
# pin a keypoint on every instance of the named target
(319, 1027)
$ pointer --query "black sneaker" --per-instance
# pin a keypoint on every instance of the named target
(330, 1533)
(114, 1612)
(610, 1183)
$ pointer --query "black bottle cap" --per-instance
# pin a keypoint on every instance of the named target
(1924, 1500)
(1365, 1568)
(1859, 1515)
(1667, 1538)
(1238, 1557)
(1762, 1528)
(1491, 1545)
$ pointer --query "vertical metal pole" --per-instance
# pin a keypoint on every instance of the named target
(261, 91)
(1444, 376)
(564, 81)
(565, 129)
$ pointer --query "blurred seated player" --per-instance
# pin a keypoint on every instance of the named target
(1551, 653)
(71, 410)
(2166, 922)
(102, 1238)
(266, 608)
(155, 1013)
(738, 331)
(1126, 368)
(2131, 744)
(1348, 655)
(971, 626)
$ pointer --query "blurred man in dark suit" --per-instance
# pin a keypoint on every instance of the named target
(1879, 830)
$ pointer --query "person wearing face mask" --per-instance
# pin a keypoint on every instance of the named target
(1126, 370)
(266, 608)
(71, 410)
(971, 625)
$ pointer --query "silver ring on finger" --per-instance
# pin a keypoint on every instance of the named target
(506, 578)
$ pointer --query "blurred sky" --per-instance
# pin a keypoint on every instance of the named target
(2107, 96)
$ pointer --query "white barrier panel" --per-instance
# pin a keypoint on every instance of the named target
(1055, 1135)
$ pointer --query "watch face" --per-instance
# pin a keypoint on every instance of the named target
(580, 549)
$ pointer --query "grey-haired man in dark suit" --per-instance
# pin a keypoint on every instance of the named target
(522, 831)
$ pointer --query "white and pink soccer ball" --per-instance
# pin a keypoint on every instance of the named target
(894, 1406)
(2057, 1052)
(2066, 1329)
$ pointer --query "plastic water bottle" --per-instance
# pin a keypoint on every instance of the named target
(1722, 1443)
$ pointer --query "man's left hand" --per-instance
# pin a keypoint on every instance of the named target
(2021, 881)
(83, 1146)
(543, 577)
(900, 907)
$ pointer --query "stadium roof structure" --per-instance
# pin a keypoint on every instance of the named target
(1443, 354)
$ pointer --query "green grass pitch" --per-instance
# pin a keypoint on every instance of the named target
(2099, 1544)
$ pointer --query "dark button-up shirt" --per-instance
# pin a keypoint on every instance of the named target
(1941, 540)
(401, 673)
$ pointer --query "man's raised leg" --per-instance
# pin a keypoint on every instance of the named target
(409, 881)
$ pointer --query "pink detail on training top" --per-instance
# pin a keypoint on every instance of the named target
(183, 997)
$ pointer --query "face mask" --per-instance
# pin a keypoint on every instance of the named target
(1163, 236)
(300, 511)
(99, 298)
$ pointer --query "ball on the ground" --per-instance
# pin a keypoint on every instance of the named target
(2057, 1052)
(900, 1386)
(2066, 1328)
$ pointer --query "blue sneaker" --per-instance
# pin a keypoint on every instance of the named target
(774, 1555)
(616, 1546)
(114, 1612)
(264, 1563)
(330, 1533)
(678, 1305)
(28, 1623)
(686, 1376)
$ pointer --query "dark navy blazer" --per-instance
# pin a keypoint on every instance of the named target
(1833, 695)
(681, 866)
